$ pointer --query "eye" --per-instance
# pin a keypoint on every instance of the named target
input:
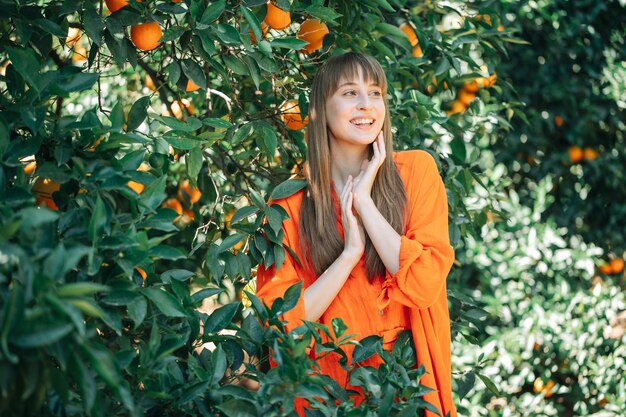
(349, 93)
(376, 93)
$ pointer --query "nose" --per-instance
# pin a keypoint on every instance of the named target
(364, 102)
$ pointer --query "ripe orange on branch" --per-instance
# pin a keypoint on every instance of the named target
(191, 86)
(186, 192)
(291, 117)
(410, 33)
(313, 31)
(277, 18)
(146, 36)
(575, 154)
(44, 188)
(115, 5)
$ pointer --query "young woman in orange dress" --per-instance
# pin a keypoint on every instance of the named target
(371, 229)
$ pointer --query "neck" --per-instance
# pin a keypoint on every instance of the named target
(346, 160)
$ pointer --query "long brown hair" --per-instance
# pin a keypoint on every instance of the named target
(317, 214)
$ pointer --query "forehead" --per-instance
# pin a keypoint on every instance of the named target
(356, 76)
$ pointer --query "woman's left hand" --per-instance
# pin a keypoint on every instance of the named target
(362, 185)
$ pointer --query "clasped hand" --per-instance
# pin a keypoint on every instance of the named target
(355, 193)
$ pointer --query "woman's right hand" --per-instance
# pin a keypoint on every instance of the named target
(353, 232)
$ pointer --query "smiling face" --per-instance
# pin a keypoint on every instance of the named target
(355, 112)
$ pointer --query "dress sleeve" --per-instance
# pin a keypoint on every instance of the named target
(272, 284)
(426, 255)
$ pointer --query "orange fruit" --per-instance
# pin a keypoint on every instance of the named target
(228, 217)
(290, 115)
(79, 55)
(488, 81)
(465, 97)
(575, 154)
(409, 32)
(178, 106)
(188, 193)
(264, 29)
(558, 121)
(150, 83)
(548, 388)
(457, 107)
(136, 186)
(141, 272)
(277, 18)
(590, 154)
(115, 5)
(538, 385)
(44, 188)
(30, 168)
(174, 204)
(73, 36)
(500, 28)
(485, 18)
(617, 265)
(146, 36)
(191, 86)
(313, 31)
(471, 86)
(606, 268)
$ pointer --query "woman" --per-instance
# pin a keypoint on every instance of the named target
(371, 228)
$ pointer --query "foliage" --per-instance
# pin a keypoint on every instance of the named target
(105, 258)
(546, 342)
(573, 81)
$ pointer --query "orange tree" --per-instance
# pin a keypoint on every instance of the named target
(572, 78)
(549, 265)
(140, 143)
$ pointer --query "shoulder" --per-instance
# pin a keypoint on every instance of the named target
(415, 164)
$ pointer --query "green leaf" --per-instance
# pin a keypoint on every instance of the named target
(490, 385)
(235, 65)
(165, 302)
(274, 218)
(229, 242)
(4, 136)
(71, 83)
(237, 408)
(98, 220)
(325, 14)
(46, 335)
(137, 310)
(385, 5)
(167, 252)
(291, 297)
(194, 161)
(79, 289)
(466, 383)
(179, 140)
(220, 318)
(243, 213)
(34, 217)
(194, 72)
(252, 21)
(288, 43)
(50, 27)
(190, 125)
(287, 188)
(138, 113)
(366, 348)
(198, 296)
(26, 63)
(227, 34)
(213, 12)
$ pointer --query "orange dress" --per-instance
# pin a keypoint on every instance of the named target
(414, 298)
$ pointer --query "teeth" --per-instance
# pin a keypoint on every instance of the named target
(362, 121)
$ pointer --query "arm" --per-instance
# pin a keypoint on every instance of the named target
(314, 301)
(417, 262)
